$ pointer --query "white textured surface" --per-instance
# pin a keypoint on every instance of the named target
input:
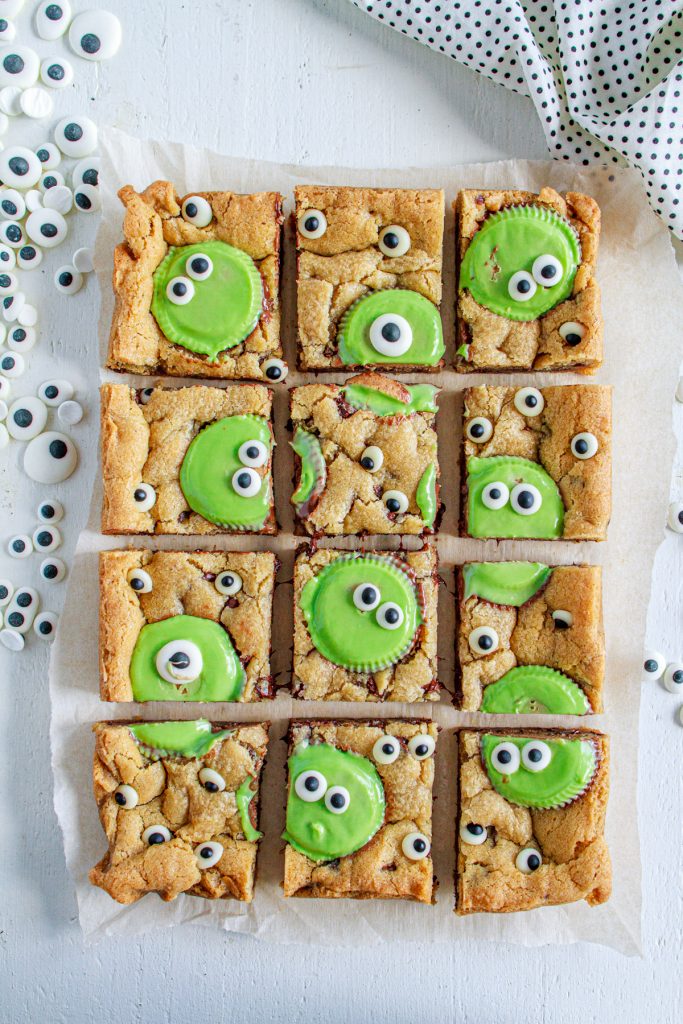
(312, 82)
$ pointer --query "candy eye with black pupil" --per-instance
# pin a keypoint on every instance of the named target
(144, 395)
(416, 846)
(180, 291)
(56, 74)
(522, 286)
(144, 497)
(546, 271)
(391, 334)
(95, 35)
(211, 780)
(495, 495)
(19, 167)
(673, 678)
(68, 281)
(483, 640)
(479, 429)
(674, 517)
(421, 746)
(584, 445)
(29, 257)
(505, 758)
(8, 283)
(312, 224)
(366, 597)
(54, 392)
(126, 797)
(389, 615)
(394, 241)
(22, 339)
(528, 860)
(654, 664)
(253, 453)
(50, 458)
(46, 539)
(246, 482)
(86, 172)
(52, 570)
(87, 199)
(529, 401)
(536, 756)
(12, 365)
(199, 267)
(12, 204)
(310, 786)
(47, 228)
(155, 835)
(8, 258)
(563, 619)
(372, 458)
(52, 20)
(386, 750)
(26, 418)
(473, 834)
(572, 333)
(525, 499)
(140, 581)
(337, 799)
(208, 854)
(275, 370)
(179, 662)
(196, 210)
(228, 583)
(396, 502)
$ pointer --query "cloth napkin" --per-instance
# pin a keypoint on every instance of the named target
(605, 77)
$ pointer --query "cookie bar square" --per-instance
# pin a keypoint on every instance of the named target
(530, 638)
(365, 625)
(366, 457)
(531, 820)
(369, 277)
(186, 626)
(359, 810)
(196, 285)
(178, 802)
(193, 460)
(537, 462)
(527, 294)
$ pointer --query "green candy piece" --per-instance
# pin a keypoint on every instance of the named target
(344, 633)
(506, 583)
(356, 333)
(534, 689)
(425, 495)
(422, 399)
(225, 307)
(546, 523)
(311, 827)
(211, 462)
(568, 774)
(243, 797)
(313, 471)
(221, 673)
(186, 739)
(510, 242)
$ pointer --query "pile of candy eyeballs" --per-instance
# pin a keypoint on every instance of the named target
(655, 666)
(50, 457)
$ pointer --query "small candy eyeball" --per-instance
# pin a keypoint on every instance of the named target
(179, 662)
(396, 502)
(12, 204)
(536, 755)
(495, 495)
(416, 846)
(199, 267)
(337, 799)
(674, 517)
(19, 546)
(528, 860)
(208, 854)
(140, 581)
(8, 259)
(86, 172)
(246, 482)
(12, 365)
(126, 797)
(505, 758)
(56, 73)
(53, 392)
(6, 591)
(572, 333)
(50, 458)
(389, 615)
(70, 413)
(275, 370)
(52, 20)
(26, 418)
(12, 306)
(673, 677)
(144, 395)
(52, 570)
(49, 155)
(46, 539)
(8, 283)
(19, 167)
(19, 66)
(50, 511)
(391, 334)
(144, 497)
(312, 223)
(563, 619)
(7, 30)
(12, 234)
(68, 281)
(421, 746)
(45, 625)
(95, 35)
(366, 597)
(76, 136)
(473, 834)
(310, 786)
(155, 835)
(83, 260)
(47, 228)
(522, 286)
(547, 271)
(372, 458)
(584, 445)
(36, 102)
(386, 750)
(211, 780)
(394, 241)
(479, 430)
(59, 198)
(22, 339)
(654, 664)
(483, 640)
(228, 583)
(529, 401)
(180, 291)
(197, 210)
(253, 453)
(87, 199)
(525, 499)
(29, 257)
(12, 640)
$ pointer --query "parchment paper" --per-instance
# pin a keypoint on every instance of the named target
(641, 302)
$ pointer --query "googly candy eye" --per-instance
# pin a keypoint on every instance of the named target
(179, 662)
(6, 591)
(12, 306)
(479, 430)
(155, 835)
(391, 334)
(47, 228)
(36, 102)
(19, 66)
(536, 756)
(144, 497)
(52, 392)
(12, 234)
(19, 546)
(337, 799)
(495, 495)
(180, 291)
(211, 780)
(473, 834)
(674, 517)
(483, 640)
(50, 458)
(19, 167)
(7, 31)
(396, 502)
(253, 453)
(199, 267)
(505, 758)
(45, 625)
(528, 860)
(22, 339)
(26, 418)
(421, 746)
(197, 210)
(275, 370)
(52, 570)
(208, 854)
(366, 597)
(86, 172)
(68, 281)
(56, 74)
(126, 797)
(372, 458)
(673, 677)
(46, 539)
(246, 482)
(228, 583)
(87, 199)
(394, 241)
(8, 258)
(386, 750)
(525, 499)
(310, 786)
(52, 20)
(312, 223)
(50, 511)
(140, 581)
(529, 401)
(144, 395)
(12, 365)
(563, 619)
(95, 35)
(572, 333)
(49, 155)
(584, 445)
(76, 136)
(59, 198)
(12, 204)
(416, 846)
(547, 271)
(29, 257)
(389, 615)
(522, 286)
(8, 284)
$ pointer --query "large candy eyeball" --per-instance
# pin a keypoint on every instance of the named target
(310, 786)
(421, 746)
(391, 334)
(140, 581)
(337, 799)
(389, 615)
(95, 35)
(211, 780)
(126, 797)
(495, 495)
(26, 418)
(525, 499)
(19, 167)
(505, 758)
(45, 625)
(528, 860)
(246, 482)
(50, 181)
(275, 370)
(584, 445)
(56, 73)
(394, 241)
(144, 497)
(208, 854)
(522, 286)
(386, 750)
(8, 259)
(366, 597)
(180, 291)
(29, 257)
(8, 284)
(12, 204)
(416, 846)
(76, 136)
(47, 228)
(536, 755)
(54, 392)
(19, 66)
(396, 502)
(563, 619)
(12, 365)
(86, 172)
(479, 429)
(253, 453)
(52, 570)
(196, 210)
(46, 539)
(199, 267)
(312, 223)
(155, 835)
(372, 458)
(473, 834)
(529, 401)
(179, 662)
(52, 20)
(228, 583)
(50, 458)
(483, 640)
(12, 234)
(547, 271)
(674, 516)
(19, 546)
(68, 281)
(144, 395)
(673, 677)
(572, 333)
(87, 199)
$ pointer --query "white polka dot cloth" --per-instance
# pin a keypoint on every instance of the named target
(605, 77)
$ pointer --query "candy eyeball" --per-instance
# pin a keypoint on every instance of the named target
(86, 172)
(29, 257)
(563, 619)
(228, 583)
(525, 499)
(45, 625)
(208, 854)
(572, 333)
(12, 204)
(19, 167)
(337, 799)
(386, 750)
(8, 258)
(52, 20)
(197, 210)
(390, 615)
(8, 284)
(522, 286)
(483, 640)
(19, 546)
(95, 35)
(479, 430)
(52, 570)
(28, 317)
(199, 267)
(505, 758)
(140, 581)
(391, 335)
(49, 155)
(211, 780)
(674, 517)
(22, 339)
(50, 458)
(12, 306)
(584, 445)
(312, 224)
(144, 497)
(144, 395)
(253, 453)
(12, 234)
(366, 597)
(87, 199)
(528, 860)
(246, 482)
(416, 846)
(394, 241)
(179, 662)
(495, 495)
(47, 228)
(547, 271)
(421, 746)
(372, 458)
(7, 31)
(6, 591)
(310, 786)
(26, 418)
(50, 511)
(46, 539)
(536, 756)
(126, 797)
(155, 835)
(57, 74)
(180, 291)
(529, 401)
(68, 281)
(12, 365)
(396, 502)
(473, 834)
(275, 370)
(19, 66)
(76, 136)
(53, 392)
(673, 677)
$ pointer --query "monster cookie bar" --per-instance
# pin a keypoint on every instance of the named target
(537, 462)
(530, 638)
(196, 284)
(369, 277)
(366, 456)
(186, 626)
(359, 810)
(365, 625)
(178, 802)
(532, 816)
(527, 297)
(189, 460)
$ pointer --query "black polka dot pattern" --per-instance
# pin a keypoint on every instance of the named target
(605, 77)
